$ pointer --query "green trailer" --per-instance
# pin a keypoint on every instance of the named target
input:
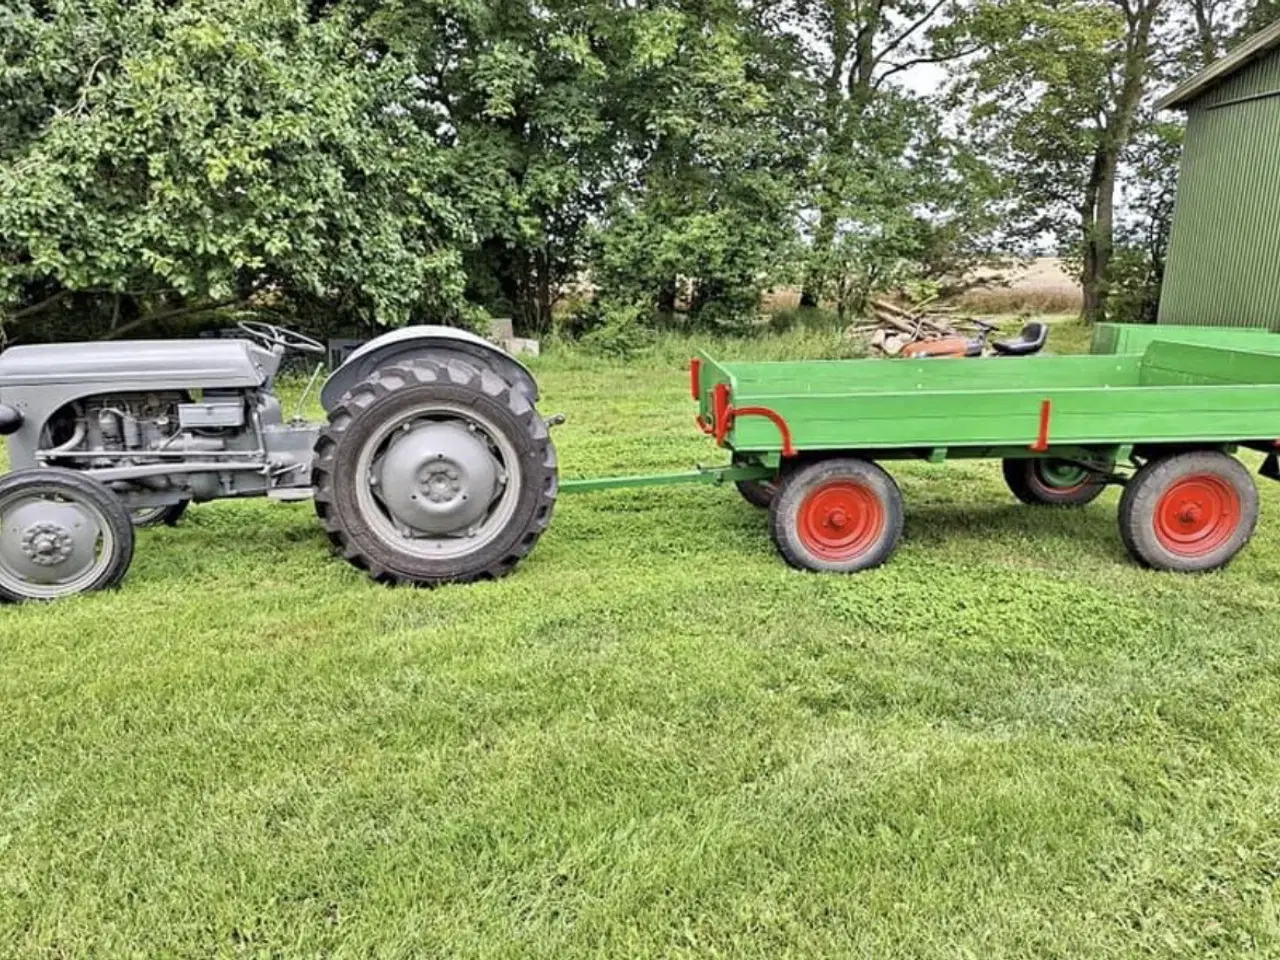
(809, 440)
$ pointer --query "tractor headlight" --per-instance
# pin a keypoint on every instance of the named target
(10, 420)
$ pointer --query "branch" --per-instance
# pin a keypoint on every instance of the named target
(917, 61)
(84, 88)
(906, 34)
(38, 307)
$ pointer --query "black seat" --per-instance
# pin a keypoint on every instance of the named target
(1030, 340)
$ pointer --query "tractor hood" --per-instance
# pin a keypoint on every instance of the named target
(152, 364)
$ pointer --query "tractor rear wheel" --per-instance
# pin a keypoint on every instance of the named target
(434, 472)
(167, 516)
(839, 515)
(1189, 512)
(1047, 482)
(61, 533)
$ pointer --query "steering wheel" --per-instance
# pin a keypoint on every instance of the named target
(269, 335)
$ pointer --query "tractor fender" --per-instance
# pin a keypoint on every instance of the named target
(427, 342)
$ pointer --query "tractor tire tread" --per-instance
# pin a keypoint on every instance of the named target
(529, 436)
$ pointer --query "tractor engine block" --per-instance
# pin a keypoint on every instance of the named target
(137, 429)
(158, 423)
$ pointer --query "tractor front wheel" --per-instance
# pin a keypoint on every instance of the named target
(1047, 482)
(61, 533)
(434, 471)
(839, 515)
(1189, 512)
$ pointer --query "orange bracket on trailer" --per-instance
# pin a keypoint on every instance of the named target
(723, 413)
(1042, 439)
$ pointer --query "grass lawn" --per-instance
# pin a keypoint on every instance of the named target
(654, 739)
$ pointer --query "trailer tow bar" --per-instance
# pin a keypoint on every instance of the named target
(714, 476)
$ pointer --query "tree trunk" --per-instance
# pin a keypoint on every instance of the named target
(1097, 222)
(667, 298)
(1098, 212)
(824, 237)
(544, 291)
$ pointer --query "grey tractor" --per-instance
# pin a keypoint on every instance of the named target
(434, 466)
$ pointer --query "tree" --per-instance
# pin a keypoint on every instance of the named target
(717, 125)
(1055, 95)
(852, 51)
(519, 94)
(1061, 98)
(163, 159)
(646, 141)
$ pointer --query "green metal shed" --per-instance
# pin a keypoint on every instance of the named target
(1223, 267)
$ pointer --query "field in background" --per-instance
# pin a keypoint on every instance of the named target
(654, 740)
(1041, 286)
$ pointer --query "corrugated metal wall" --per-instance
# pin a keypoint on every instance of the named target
(1224, 252)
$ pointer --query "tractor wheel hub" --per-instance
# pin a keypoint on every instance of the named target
(439, 478)
(47, 544)
(44, 541)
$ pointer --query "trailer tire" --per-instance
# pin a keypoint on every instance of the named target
(1047, 482)
(1189, 512)
(839, 515)
(473, 475)
(758, 493)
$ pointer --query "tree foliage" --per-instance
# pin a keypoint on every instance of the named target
(1061, 95)
(357, 162)
(168, 156)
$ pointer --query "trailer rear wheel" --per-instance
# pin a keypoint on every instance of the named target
(1189, 512)
(839, 515)
(1048, 482)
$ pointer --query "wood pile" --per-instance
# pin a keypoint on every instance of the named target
(889, 328)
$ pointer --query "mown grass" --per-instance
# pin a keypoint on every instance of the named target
(652, 740)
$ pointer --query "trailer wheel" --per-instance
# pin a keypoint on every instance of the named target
(61, 533)
(758, 493)
(839, 515)
(1189, 512)
(434, 472)
(1048, 482)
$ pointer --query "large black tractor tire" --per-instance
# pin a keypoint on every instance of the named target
(1189, 512)
(433, 472)
(61, 533)
(1054, 483)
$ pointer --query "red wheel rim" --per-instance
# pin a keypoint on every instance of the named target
(1197, 515)
(840, 520)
